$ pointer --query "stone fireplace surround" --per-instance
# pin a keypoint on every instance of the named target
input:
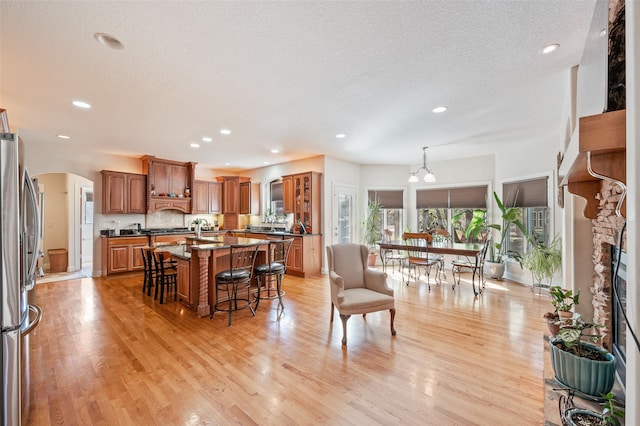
(606, 231)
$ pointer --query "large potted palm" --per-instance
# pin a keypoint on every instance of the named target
(498, 252)
(372, 228)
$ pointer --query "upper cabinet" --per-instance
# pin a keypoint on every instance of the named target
(123, 193)
(169, 184)
(249, 198)
(207, 197)
(601, 154)
(287, 194)
(304, 197)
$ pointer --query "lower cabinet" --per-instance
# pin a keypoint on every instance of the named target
(184, 283)
(122, 254)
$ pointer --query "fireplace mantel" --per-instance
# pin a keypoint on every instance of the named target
(603, 137)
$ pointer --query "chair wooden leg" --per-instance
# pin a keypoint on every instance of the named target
(259, 281)
(344, 319)
(332, 309)
(393, 316)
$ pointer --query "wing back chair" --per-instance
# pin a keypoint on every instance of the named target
(356, 289)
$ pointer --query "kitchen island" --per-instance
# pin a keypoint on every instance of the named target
(199, 261)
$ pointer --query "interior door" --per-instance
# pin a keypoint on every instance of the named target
(344, 214)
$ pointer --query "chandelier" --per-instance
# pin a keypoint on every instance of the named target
(429, 176)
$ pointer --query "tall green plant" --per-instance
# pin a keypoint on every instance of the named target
(372, 224)
(544, 261)
(510, 216)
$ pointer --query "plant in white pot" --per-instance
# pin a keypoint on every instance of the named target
(372, 228)
(498, 252)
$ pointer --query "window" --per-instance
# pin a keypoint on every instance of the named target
(392, 205)
(530, 197)
(438, 207)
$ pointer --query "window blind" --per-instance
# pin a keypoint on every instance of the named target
(389, 199)
(526, 193)
(473, 197)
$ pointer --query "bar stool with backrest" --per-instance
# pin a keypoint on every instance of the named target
(166, 275)
(235, 282)
(417, 248)
(276, 266)
(476, 266)
(149, 270)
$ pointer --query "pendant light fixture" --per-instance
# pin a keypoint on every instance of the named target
(429, 176)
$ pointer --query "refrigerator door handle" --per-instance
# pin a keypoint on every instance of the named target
(31, 251)
(33, 324)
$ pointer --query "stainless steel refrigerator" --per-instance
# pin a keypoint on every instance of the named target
(19, 240)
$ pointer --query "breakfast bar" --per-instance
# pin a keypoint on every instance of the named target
(198, 262)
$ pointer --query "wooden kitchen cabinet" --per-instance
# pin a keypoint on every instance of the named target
(207, 197)
(249, 198)
(215, 197)
(122, 254)
(304, 196)
(305, 256)
(169, 184)
(123, 192)
(287, 194)
(184, 282)
(230, 194)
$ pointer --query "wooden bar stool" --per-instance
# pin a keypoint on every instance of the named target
(166, 275)
(276, 266)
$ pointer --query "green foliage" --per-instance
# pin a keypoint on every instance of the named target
(563, 299)
(372, 224)
(478, 225)
(544, 261)
(612, 413)
(571, 332)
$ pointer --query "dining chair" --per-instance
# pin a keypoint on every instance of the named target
(234, 283)
(417, 244)
(276, 266)
(476, 266)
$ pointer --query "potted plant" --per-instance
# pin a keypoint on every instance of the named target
(612, 414)
(372, 228)
(578, 364)
(544, 261)
(563, 301)
(498, 251)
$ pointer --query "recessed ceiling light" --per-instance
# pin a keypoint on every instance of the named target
(550, 48)
(82, 104)
(275, 151)
(341, 136)
(439, 109)
(265, 162)
(603, 32)
(227, 164)
(225, 131)
(64, 136)
(195, 145)
(108, 41)
(207, 139)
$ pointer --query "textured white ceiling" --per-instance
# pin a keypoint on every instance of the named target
(290, 75)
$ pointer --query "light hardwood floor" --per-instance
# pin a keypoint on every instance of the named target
(105, 354)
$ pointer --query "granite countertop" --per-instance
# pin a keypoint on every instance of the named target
(279, 233)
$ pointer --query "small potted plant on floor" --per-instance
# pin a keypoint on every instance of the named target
(579, 364)
(372, 228)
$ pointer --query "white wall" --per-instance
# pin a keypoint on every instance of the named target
(633, 206)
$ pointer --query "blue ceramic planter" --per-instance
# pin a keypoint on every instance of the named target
(573, 411)
(587, 376)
